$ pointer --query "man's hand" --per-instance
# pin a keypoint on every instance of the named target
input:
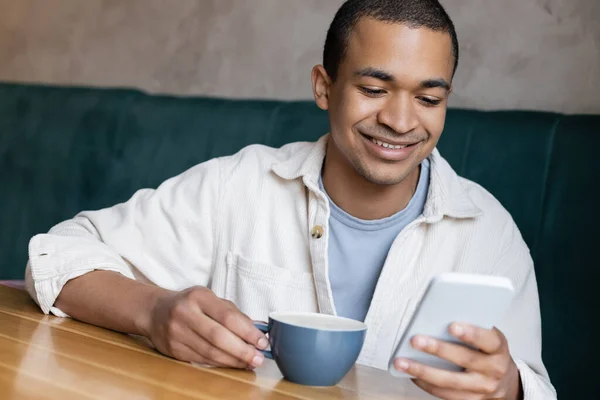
(490, 372)
(197, 326)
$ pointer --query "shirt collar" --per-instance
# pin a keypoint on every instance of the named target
(306, 163)
(446, 197)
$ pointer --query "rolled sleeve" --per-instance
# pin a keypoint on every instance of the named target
(54, 260)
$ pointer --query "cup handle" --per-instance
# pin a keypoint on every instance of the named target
(263, 327)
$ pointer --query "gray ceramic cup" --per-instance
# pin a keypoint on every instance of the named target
(313, 349)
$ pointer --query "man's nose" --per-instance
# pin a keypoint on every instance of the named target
(399, 114)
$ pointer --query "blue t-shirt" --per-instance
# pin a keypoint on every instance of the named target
(358, 249)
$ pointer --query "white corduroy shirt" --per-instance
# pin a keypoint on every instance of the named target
(241, 226)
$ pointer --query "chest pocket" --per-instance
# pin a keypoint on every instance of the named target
(258, 289)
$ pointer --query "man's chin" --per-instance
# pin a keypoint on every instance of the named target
(384, 179)
(388, 174)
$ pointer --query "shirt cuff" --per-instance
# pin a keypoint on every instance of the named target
(48, 290)
(535, 386)
(54, 260)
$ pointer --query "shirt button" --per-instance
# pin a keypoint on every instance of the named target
(317, 232)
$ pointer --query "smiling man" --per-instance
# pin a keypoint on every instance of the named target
(354, 225)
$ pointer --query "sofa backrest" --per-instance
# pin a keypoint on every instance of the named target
(63, 150)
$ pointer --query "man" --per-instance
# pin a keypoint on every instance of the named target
(355, 225)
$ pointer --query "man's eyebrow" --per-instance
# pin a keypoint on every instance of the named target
(435, 83)
(387, 77)
(375, 73)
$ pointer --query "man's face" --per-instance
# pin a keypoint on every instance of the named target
(388, 104)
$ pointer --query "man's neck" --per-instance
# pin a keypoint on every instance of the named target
(359, 197)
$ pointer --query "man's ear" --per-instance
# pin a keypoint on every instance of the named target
(321, 84)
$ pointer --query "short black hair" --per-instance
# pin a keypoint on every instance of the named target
(414, 13)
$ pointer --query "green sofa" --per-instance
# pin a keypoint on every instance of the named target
(63, 150)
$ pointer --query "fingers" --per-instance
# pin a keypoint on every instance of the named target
(446, 394)
(183, 352)
(195, 325)
(212, 354)
(460, 381)
(226, 328)
(223, 339)
(488, 364)
(461, 355)
(182, 343)
(228, 315)
(489, 341)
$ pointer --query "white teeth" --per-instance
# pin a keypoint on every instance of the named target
(386, 145)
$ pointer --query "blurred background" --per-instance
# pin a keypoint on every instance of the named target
(515, 54)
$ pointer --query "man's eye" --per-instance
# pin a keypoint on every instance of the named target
(429, 102)
(372, 92)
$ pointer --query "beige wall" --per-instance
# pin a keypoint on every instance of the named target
(533, 54)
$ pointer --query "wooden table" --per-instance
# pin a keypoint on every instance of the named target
(44, 357)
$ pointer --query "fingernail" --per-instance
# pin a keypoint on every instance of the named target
(257, 361)
(458, 330)
(263, 343)
(421, 342)
(402, 365)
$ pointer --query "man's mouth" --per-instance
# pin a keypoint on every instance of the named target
(388, 145)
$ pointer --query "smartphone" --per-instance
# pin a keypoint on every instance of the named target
(480, 300)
